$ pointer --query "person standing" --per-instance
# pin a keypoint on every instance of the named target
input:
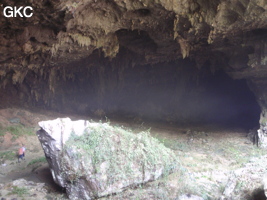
(23, 149)
(21, 153)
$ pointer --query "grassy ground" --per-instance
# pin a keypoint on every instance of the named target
(8, 155)
(206, 156)
(37, 160)
(206, 159)
(16, 131)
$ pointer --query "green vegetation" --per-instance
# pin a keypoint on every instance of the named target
(173, 144)
(16, 131)
(20, 191)
(2, 132)
(263, 122)
(37, 160)
(242, 154)
(8, 155)
(117, 152)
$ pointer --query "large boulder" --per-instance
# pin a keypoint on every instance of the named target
(92, 160)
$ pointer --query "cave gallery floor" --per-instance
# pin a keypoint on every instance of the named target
(207, 155)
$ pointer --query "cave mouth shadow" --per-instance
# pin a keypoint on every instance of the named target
(176, 93)
(183, 99)
(232, 103)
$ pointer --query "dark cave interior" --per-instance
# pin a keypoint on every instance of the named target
(179, 96)
(231, 102)
(175, 93)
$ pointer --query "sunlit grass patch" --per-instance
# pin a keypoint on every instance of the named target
(37, 160)
(8, 155)
(16, 131)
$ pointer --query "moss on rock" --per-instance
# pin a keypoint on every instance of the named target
(92, 160)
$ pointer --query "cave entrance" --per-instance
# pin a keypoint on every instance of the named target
(183, 96)
(176, 93)
(230, 102)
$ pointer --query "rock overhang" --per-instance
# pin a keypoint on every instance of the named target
(62, 32)
(86, 44)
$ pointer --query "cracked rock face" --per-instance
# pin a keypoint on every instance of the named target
(93, 160)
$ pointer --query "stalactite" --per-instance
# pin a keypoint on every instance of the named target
(2, 73)
(185, 47)
(52, 79)
(81, 40)
(111, 48)
(19, 76)
(175, 22)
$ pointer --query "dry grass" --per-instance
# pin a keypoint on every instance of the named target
(209, 157)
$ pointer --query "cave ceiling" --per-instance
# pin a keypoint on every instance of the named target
(224, 33)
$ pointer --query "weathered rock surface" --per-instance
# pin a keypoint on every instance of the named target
(93, 160)
(155, 30)
(262, 132)
(247, 182)
(265, 184)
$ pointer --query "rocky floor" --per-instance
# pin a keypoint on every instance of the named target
(215, 162)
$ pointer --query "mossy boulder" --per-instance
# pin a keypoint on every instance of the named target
(92, 160)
